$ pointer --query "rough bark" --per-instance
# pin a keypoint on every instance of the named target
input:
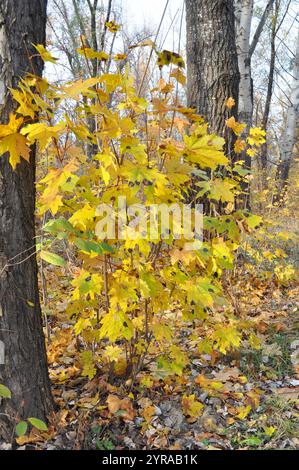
(24, 371)
(212, 61)
(290, 133)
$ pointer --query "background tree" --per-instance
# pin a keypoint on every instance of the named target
(77, 21)
(24, 372)
(280, 10)
(245, 49)
(212, 60)
(290, 132)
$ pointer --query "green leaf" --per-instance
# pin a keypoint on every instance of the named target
(21, 428)
(52, 258)
(252, 441)
(59, 226)
(88, 246)
(38, 424)
(107, 247)
(4, 391)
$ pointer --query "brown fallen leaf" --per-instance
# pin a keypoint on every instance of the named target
(123, 407)
(288, 393)
(33, 437)
(148, 413)
(227, 373)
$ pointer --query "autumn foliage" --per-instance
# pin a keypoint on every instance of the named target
(132, 298)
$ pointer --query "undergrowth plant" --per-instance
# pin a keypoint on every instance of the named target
(134, 296)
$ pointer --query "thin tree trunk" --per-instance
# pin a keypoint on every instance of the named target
(91, 148)
(244, 12)
(238, 11)
(260, 27)
(265, 120)
(243, 46)
(290, 132)
(24, 371)
(212, 61)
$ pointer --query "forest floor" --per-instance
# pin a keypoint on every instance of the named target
(250, 399)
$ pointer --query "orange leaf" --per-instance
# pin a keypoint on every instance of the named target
(121, 406)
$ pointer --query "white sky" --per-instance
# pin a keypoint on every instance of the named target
(149, 12)
(137, 13)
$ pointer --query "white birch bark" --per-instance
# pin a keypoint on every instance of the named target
(238, 9)
(243, 46)
(291, 127)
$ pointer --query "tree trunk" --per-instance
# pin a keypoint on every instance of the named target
(245, 89)
(238, 11)
(24, 366)
(260, 27)
(290, 132)
(243, 45)
(212, 61)
(265, 120)
(245, 51)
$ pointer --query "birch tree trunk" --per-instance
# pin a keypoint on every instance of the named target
(212, 62)
(290, 133)
(238, 10)
(243, 46)
(245, 49)
(244, 61)
(23, 368)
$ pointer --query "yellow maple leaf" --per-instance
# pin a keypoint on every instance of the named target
(41, 133)
(54, 180)
(256, 136)
(82, 217)
(92, 54)
(26, 107)
(45, 55)
(251, 152)
(88, 364)
(239, 146)
(116, 324)
(226, 337)
(81, 87)
(179, 76)
(12, 127)
(243, 411)
(230, 103)
(208, 384)
(16, 145)
(191, 407)
(113, 353)
(81, 325)
(112, 26)
(221, 190)
(236, 127)
(86, 285)
(167, 57)
(13, 142)
(205, 150)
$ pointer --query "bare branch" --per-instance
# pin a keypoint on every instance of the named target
(260, 27)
